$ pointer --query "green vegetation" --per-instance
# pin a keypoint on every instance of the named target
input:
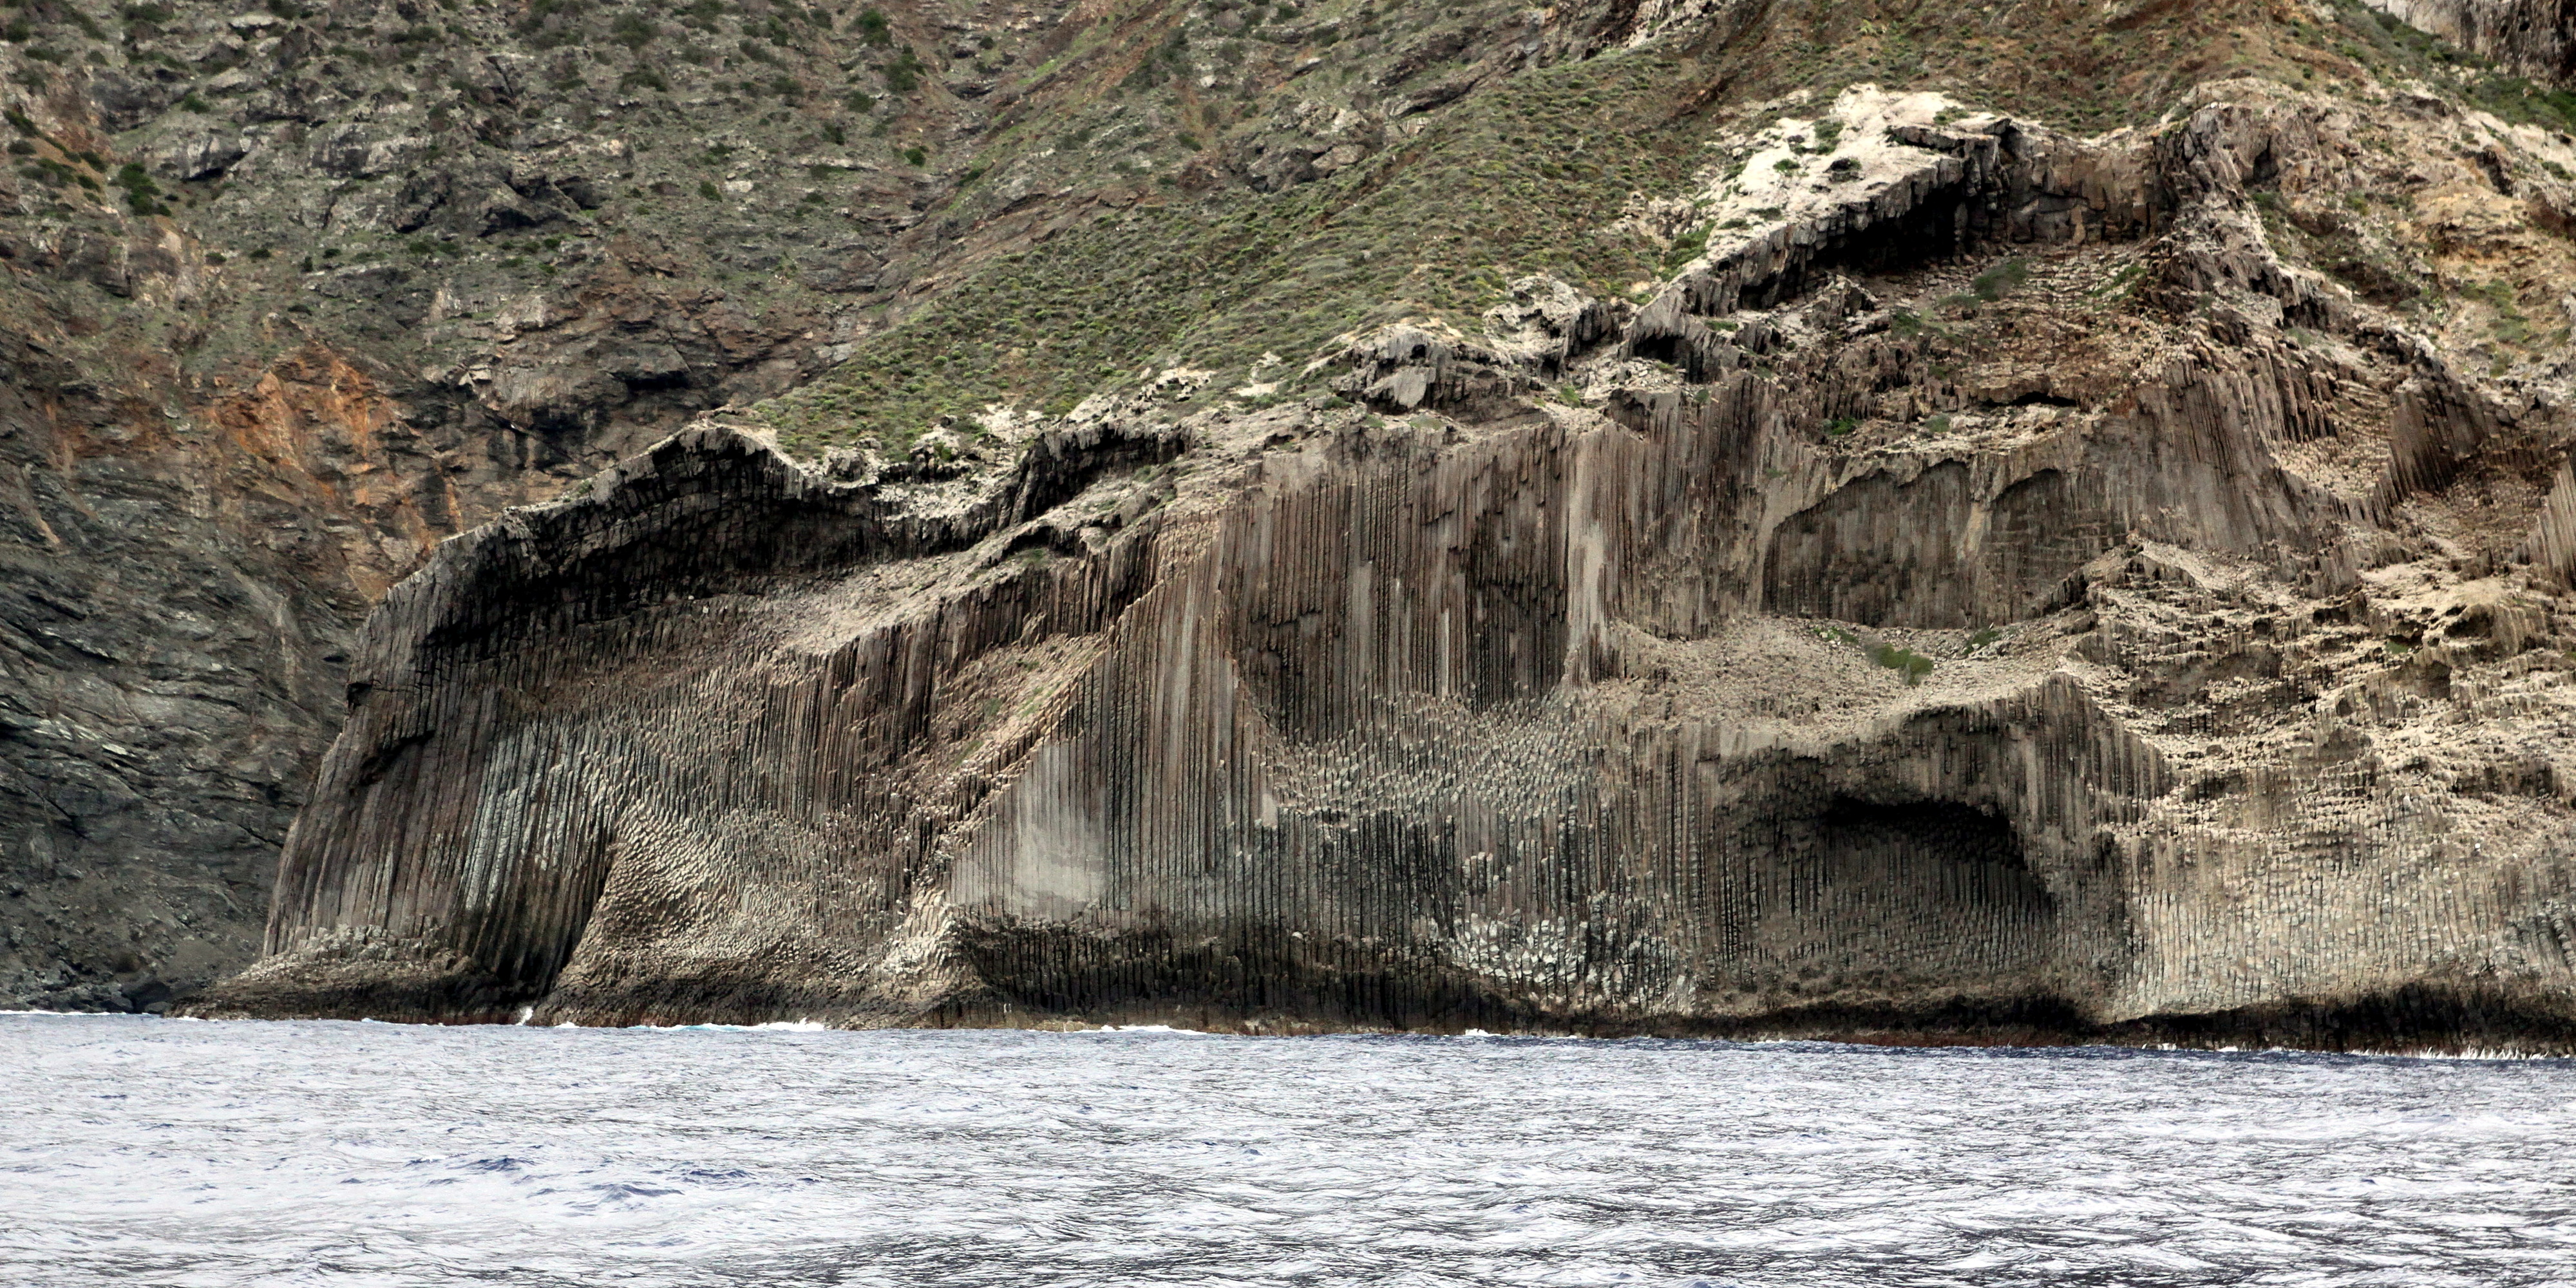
(2119, 283)
(1215, 282)
(2389, 47)
(903, 75)
(1904, 661)
(1994, 283)
(141, 195)
(1168, 60)
(1686, 248)
(2511, 326)
(1514, 179)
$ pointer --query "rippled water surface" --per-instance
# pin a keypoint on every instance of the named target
(137, 1151)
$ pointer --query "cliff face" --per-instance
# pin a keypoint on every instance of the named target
(2536, 38)
(285, 298)
(1290, 514)
(1995, 583)
(289, 294)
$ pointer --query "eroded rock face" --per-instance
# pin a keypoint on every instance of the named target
(288, 296)
(2002, 586)
(285, 299)
(2536, 38)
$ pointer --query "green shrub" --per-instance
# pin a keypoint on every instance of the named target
(1685, 248)
(142, 196)
(1904, 661)
(903, 75)
(1992, 284)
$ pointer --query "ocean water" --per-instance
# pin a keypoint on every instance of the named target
(139, 1151)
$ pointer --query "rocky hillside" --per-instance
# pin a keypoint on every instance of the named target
(1629, 516)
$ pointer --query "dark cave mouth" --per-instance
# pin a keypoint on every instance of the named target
(1940, 229)
(1930, 871)
(1879, 895)
(1944, 831)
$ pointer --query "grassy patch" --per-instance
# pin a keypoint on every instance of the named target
(1431, 229)
(1994, 283)
(1525, 175)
